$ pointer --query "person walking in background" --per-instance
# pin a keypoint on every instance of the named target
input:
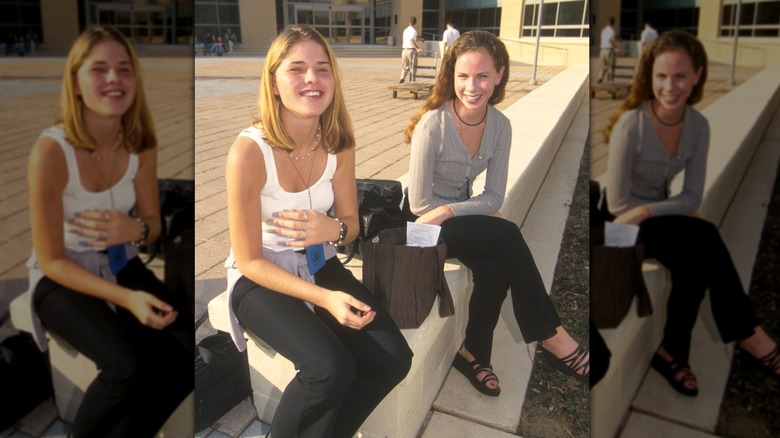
(457, 135)
(607, 52)
(285, 284)
(646, 38)
(409, 51)
(450, 35)
(655, 135)
(93, 201)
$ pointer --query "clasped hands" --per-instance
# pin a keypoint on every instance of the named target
(106, 227)
(307, 227)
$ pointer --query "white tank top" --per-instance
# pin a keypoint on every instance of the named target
(274, 198)
(76, 198)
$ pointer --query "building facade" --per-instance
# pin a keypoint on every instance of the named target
(57, 22)
(563, 36)
(714, 22)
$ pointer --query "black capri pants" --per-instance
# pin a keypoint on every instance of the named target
(144, 373)
(343, 373)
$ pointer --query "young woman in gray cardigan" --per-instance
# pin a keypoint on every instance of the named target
(457, 135)
(655, 135)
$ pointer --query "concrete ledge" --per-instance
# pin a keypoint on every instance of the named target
(737, 122)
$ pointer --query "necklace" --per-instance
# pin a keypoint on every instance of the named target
(109, 150)
(103, 178)
(307, 182)
(652, 108)
(316, 143)
(455, 107)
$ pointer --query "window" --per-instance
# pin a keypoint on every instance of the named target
(563, 18)
(757, 18)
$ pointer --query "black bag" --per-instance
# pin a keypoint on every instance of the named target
(406, 279)
(179, 267)
(177, 213)
(221, 377)
(379, 208)
(25, 378)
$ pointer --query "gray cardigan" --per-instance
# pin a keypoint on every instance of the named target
(639, 169)
(442, 171)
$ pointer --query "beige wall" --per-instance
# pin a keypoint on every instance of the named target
(751, 51)
(568, 51)
(405, 9)
(511, 19)
(60, 21)
(258, 22)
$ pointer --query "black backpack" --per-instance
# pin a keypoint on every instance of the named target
(379, 208)
(221, 377)
(25, 377)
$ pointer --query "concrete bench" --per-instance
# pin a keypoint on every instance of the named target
(737, 122)
(72, 373)
(540, 122)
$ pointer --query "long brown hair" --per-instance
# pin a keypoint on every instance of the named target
(444, 88)
(137, 124)
(336, 124)
(642, 88)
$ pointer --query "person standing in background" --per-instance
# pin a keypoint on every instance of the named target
(646, 38)
(409, 51)
(450, 35)
(607, 53)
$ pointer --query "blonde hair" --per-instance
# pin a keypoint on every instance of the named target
(137, 125)
(444, 88)
(336, 125)
(642, 88)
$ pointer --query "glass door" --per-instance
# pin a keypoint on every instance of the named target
(338, 24)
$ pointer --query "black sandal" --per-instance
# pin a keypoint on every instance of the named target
(570, 364)
(669, 369)
(768, 364)
(467, 369)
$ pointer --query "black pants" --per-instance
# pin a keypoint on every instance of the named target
(343, 373)
(144, 373)
(693, 251)
(499, 259)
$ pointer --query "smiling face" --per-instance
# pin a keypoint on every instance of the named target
(674, 78)
(106, 81)
(475, 79)
(304, 81)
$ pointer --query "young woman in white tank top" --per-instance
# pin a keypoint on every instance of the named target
(93, 201)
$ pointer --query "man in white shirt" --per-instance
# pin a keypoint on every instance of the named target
(647, 37)
(607, 53)
(409, 51)
(450, 35)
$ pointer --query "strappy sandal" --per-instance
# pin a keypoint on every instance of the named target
(670, 369)
(768, 364)
(467, 369)
(570, 364)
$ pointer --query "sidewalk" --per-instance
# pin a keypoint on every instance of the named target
(226, 93)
